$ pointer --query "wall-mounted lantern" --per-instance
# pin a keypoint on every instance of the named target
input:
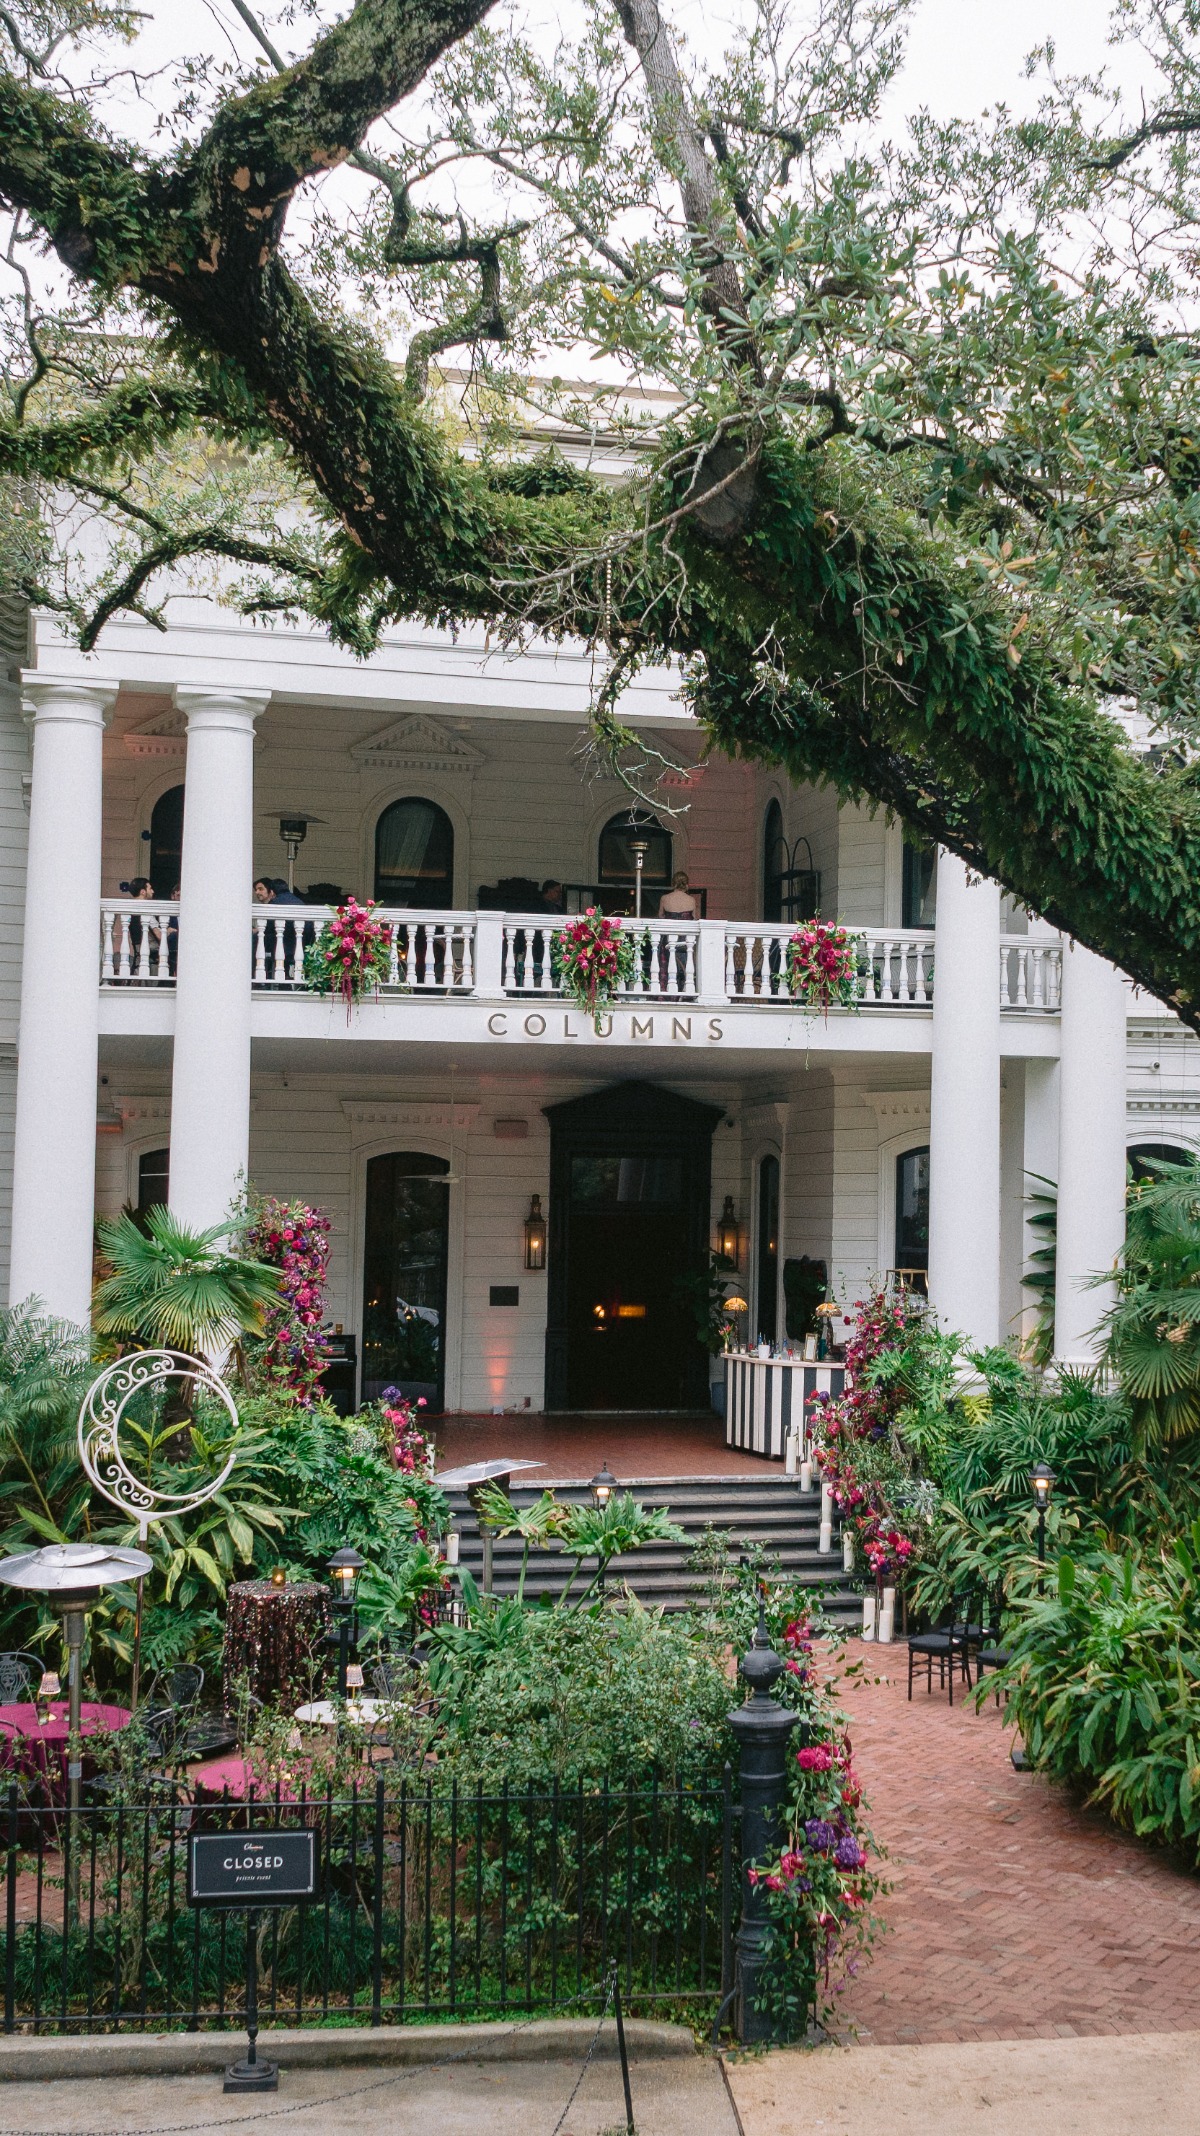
(728, 1243)
(535, 1234)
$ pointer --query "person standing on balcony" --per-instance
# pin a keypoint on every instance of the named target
(679, 903)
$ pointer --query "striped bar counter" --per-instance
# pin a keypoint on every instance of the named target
(765, 1398)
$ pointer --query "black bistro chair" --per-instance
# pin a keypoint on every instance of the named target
(20, 1676)
(991, 1652)
(949, 1645)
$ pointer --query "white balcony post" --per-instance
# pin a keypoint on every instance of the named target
(54, 1151)
(210, 1076)
(1091, 1147)
(710, 964)
(964, 1134)
(489, 955)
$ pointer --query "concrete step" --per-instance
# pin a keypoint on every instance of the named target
(772, 1512)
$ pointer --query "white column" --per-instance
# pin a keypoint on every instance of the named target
(1091, 1147)
(54, 1153)
(964, 1130)
(210, 1078)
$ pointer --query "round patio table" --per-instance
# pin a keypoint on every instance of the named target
(41, 1746)
(360, 1712)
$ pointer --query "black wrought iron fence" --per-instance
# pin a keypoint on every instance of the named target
(434, 1903)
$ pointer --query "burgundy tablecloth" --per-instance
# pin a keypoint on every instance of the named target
(41, 1746)
(243, 1777)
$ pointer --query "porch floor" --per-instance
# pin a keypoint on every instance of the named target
(573, 1448)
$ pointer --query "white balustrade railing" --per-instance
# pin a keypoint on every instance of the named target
(492, 954)
(137, 941)
(895, 965)
(666, 958)
(1030, 973)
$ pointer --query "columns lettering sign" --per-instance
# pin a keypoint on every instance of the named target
(625, 1026)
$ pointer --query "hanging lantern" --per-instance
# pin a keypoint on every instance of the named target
(535, 1234)
(728, 1242)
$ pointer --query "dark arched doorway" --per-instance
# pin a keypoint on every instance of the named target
(912, 1216)
(414, 856)
(630, 1187)
(166, 841)
(404, 1276)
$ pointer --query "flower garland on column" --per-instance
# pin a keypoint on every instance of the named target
(851, 1435)
(294, 1238)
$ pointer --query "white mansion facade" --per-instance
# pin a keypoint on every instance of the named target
(167, 1046)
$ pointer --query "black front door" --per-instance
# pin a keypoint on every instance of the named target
(630, 1180)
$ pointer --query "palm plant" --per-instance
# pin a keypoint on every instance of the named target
(177, 1288)
(1153, 1329)
(43, 1376)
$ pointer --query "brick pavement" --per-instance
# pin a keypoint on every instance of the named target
(1014, 1913)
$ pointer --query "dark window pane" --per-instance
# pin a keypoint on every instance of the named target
(404, 1276)
(608, 1181)
(1144, 1156)
(912, 1209)
(775, 863)
(768, 1249)
(617, 863)
(166, 842)
(920, 884)
(414, 855)
(154, 1180)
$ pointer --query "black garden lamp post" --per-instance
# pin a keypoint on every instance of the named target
(344, 1567)
(764, 1732)
(1041, 1483)
(602, 1486)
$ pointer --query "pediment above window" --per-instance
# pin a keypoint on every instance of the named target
(416, 744)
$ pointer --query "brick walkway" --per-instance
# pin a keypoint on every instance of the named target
(1014, 1914)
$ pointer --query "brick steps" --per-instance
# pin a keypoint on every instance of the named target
(772, 1512)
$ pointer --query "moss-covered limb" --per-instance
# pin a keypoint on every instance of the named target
(886, 668)
(126, 423)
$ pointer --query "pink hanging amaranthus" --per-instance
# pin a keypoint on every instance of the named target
(294, 1238)
(352, 954)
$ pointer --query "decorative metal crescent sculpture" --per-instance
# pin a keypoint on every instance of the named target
(100, 1416)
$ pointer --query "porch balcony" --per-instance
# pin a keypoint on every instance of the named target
(495, 959)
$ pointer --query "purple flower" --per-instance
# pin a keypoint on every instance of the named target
(848, 1854)
(820, 1834)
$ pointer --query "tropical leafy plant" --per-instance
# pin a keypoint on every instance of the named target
(44, 1372)
(1104, 1683)
(584, 1531)
(1153, 1330)
(178, 1288)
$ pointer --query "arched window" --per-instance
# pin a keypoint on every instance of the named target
(912, 1214)
(775, 861)
(617, 862)
(154, 1180)
(919, 888)
(166, 842)
(414, 856)
(1144, 1156)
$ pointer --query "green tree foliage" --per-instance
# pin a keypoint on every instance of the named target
(1153, 1343)
(928, 500)
(176, 1287)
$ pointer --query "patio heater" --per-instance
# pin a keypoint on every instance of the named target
(71, 1576)
(639, 847)
(293, 829)
(471, 1479)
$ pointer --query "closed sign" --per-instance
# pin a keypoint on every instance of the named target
(252, 1868)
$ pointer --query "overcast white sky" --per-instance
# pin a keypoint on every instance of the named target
(964, 55)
